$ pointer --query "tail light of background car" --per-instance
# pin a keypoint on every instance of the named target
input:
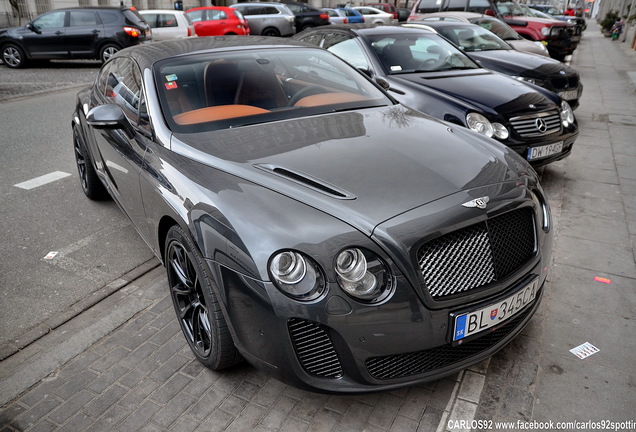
(324, 15)
(132, 31)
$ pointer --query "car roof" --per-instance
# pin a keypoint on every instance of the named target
(147, 54)
(368, 29)
(462, 14)
(160, 11)
(444, 23)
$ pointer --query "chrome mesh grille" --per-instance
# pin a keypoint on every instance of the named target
(536, 124)
(478, 254)
(314, 349)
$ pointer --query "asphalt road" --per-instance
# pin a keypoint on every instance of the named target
(44, 211)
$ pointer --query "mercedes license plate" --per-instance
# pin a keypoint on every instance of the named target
(468, 324)
(569, 94)
(545, 150)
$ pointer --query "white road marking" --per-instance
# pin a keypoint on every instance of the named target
(42, 180)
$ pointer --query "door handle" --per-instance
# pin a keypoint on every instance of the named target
(57, 33)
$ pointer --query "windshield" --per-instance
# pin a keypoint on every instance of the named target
(473, 38)
(501, 29)
(418, 52)
(510, 8)
(228, 89)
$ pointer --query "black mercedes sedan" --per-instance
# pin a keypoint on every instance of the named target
(424, 71)
(335, 238)
(493, 53)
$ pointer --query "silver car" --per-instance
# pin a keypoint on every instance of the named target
(268, 19)
(168, 24)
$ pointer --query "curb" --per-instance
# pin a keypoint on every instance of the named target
(118, 303)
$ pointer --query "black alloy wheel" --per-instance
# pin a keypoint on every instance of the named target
(195, 303)
(91, 184)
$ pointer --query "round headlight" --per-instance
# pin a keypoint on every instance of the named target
(500, 131)
(363, 275)
(297, 276)
(479, 123)
(567, 115)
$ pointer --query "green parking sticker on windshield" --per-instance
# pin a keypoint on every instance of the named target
(487, 26)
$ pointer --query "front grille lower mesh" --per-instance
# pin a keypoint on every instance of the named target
(314, 349)
(413, 363)
(536, 124)
(478, 254)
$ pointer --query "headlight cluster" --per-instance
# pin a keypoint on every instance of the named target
(534, 81)
(297, 276)
(359, 272)
(567, 115)
(482, 125)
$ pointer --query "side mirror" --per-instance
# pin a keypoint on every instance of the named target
(383, 83)
(109, 117)
(33, 28)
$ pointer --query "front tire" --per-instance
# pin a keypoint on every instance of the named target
(91, 184)
(13, 56)
(196, 305)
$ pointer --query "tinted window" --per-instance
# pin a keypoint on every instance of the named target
(166, 20)
(133, 17)
(195, 16)
(221, 90)
(124, 88)
(83, 18)
(497, 27)
(108, 17)
(348, 50)
(213, 14)
(50, 20)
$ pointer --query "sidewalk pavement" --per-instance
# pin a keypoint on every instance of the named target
(124, 365)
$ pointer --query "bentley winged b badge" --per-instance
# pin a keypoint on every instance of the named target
(477, 202)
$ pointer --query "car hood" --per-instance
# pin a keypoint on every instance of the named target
(362, 167)
(476, 88)
(524, 64)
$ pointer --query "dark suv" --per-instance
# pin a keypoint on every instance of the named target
(307, 16)
(74, 33)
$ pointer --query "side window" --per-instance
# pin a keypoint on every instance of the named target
(167, 20)
(82, 18)
(348, 50)
(50, 20)
(124, 89)
(313, 39)
(102, 79)
(107, 17)
(151, 19)
(195, 16)
(216, 15)
(270, 10)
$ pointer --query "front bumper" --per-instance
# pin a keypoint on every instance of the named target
(523, 147)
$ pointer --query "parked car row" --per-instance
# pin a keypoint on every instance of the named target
(311, 224)
(426, 71)
(560, 37)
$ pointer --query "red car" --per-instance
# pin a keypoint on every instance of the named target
(218, 21)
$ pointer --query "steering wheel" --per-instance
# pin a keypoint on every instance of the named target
(304, 92)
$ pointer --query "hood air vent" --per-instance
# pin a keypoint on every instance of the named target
(308, 181)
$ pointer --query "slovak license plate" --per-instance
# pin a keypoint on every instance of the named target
(468, 324)
(569, 94)
(544, 150)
